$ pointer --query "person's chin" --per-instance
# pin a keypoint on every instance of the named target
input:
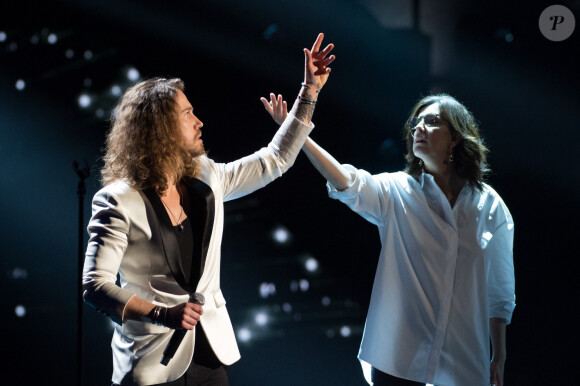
(197, 151)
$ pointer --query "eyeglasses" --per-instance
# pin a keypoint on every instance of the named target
(431, 120)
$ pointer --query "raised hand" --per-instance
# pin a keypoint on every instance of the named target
(277, 107)
(316, 63)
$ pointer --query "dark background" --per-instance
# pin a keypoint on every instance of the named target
(491, 55)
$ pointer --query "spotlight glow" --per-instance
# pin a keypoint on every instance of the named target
(345, 331)
(88, 54)
(287, 307)
(133, 74)
(20, 85)
(19, 273)
(261, 319)
(116, 90)
(267, 289)
(281, 235)
(52, 39)
(294, 286)
(311, 264)
(84, 101)
(3, 36)
(325, 301)
(244, 334)
(69, 54)
(304, 285)
(20, 311)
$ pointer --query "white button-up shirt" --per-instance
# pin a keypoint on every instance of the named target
(442, 273)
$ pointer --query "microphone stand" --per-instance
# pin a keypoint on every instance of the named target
(81, 190)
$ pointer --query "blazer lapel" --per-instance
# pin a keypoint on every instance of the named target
(160, 222)
(201, 216)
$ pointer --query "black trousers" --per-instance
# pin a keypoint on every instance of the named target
(383, 379)
(205, 369)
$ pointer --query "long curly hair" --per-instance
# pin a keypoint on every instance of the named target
(469, 155)
(145, 146)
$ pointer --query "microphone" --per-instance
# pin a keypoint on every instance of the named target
(178, 335)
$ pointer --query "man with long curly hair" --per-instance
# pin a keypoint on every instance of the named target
(444, 284)
(157, 225)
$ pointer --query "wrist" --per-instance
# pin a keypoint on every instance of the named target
(158, 316)
(309, 90)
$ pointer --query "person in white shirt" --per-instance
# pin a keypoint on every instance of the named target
(444, 283)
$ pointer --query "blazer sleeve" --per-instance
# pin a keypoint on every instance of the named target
(108, 229)
(250, 173)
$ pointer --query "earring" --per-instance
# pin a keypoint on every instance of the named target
(450, 154)
(420, 162)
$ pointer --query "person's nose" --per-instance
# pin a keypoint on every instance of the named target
(420, 128)
(198, 123)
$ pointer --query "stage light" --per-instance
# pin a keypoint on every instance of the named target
(100, 113)
(304, 285)
(294, 286)
(88, 54)
(116, 90)
(2, 36)
(345, 331)
(281, 235)
(133, 74)
(287, 307)
(69, 54)
(267, 289)
(20, 311)
(20, 85)
(84, 101)
(325, 301)
(19, 273)
(244, 334)
(52, 39)
(34, 39)
(311, 264)
(330, 333)
(261, 319)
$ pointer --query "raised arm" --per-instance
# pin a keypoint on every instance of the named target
(326, 164)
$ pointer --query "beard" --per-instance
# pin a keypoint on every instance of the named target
(196, 151)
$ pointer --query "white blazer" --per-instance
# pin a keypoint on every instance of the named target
(127, 238)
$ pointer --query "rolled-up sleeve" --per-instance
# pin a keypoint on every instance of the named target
(500, 275)
(367, 195)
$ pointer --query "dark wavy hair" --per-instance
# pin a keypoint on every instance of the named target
(469, 155)
(145, 146)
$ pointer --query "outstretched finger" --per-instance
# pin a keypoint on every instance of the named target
(325, 51)
(328, 60)
(317, 43)
(267, 105)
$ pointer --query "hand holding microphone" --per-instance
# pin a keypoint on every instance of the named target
(178, 334)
